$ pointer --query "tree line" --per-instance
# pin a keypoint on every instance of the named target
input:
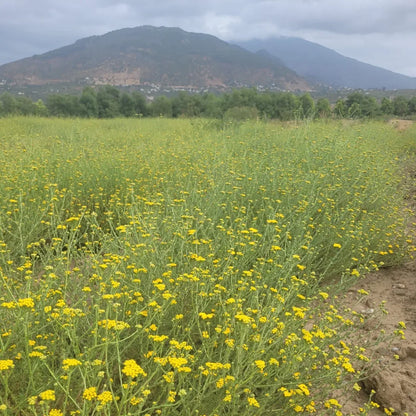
(108, 102)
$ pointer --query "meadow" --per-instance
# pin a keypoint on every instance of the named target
(189, 267)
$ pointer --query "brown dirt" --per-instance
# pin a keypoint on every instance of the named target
(393, 373)
(401, 125)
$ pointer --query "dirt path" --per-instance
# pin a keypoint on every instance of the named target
(393, 377)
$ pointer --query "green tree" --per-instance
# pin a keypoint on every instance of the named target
(41, 109)
(265, 105)
(25, 106)
(386, 106)
(59, 105)
(211, 105)
(400, 106)
(140, 106)
(354, 110)
(368, 106)
(127, 105)
(340, 110)
(323, 108)
(9, 103)
(186, 105)
(284, 105)
(162, 106)
(307, 105)
(88, 103)
(244, 97)
(108, 102)
(411, 105)
(241, 113)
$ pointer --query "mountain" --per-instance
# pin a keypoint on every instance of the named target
(152, 56)
(321, 65)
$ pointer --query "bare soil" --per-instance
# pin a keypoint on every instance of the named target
(393, 372)
(401, 125)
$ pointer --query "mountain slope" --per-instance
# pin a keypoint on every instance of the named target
(322, 65)
(152, 55)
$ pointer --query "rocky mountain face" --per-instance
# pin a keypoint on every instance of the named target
(149, 55)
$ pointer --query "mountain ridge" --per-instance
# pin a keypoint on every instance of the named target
(168, 59)
(148, 55)
(322, 65)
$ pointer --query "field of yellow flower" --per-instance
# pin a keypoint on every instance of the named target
(178, 267)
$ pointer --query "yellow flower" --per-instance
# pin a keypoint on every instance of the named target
(8, 305)
(132, 369)
(70, 362)
(158, 338)
(26, 302)
(47, 395)
(304, 389)
(113, 324)
(244, 318)
(204, 315)
(227, 397)
(6, 364)
(260, 364)
(55, 412)
(230, 342)
(32, 400)
(177, 362)
(169, 376)
(134, 401)
(253, 402)
(332, 403)
(172, 395)
(37, 354)
(105, 397)
(90, 393)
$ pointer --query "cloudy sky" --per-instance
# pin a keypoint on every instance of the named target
(379, 32)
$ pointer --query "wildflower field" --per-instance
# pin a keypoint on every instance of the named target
(181, 267)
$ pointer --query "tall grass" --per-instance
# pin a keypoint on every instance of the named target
(174, 267)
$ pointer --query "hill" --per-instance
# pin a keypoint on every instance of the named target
(152, 56)
(319, 64)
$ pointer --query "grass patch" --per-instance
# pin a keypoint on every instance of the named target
(173, 267)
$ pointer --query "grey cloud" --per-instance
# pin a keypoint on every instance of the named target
(28, 27)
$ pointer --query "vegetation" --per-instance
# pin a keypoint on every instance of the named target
(172, 267)
(241, 104)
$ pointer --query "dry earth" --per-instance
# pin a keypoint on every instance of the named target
(393, 374)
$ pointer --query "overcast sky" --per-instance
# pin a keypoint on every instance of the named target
(379, 32)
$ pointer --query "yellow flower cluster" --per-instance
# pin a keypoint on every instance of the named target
(132, 369)
(6, 364)
(70, 362)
